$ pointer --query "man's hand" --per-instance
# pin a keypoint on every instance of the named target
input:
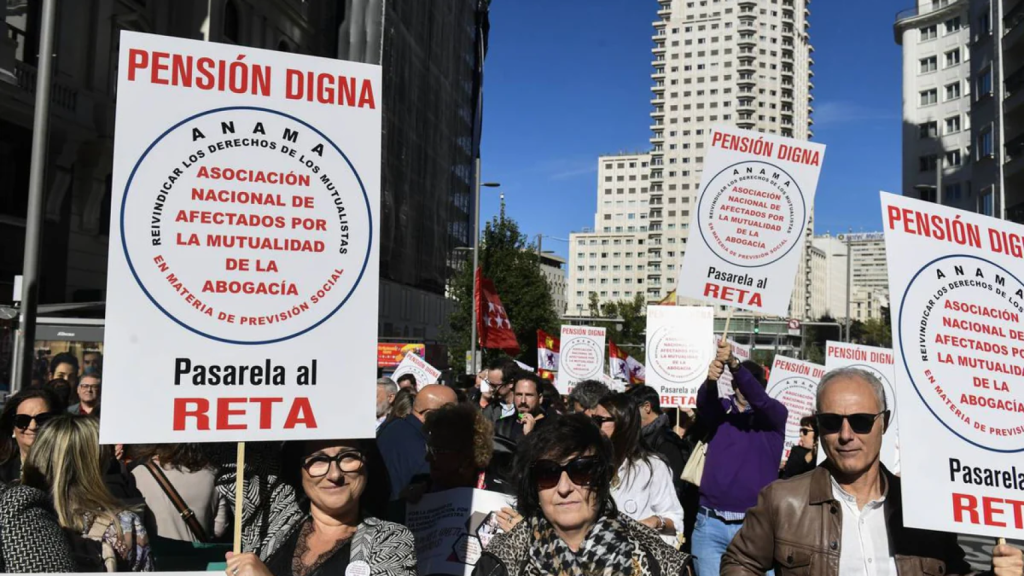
(1007, 561)
(724, 351)
(715, 370)
(529, 421)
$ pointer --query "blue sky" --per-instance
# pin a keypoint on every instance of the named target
(569, 80)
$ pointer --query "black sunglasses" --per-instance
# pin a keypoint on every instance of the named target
(23, 421)
(582, 472)
(601, 419)
(806, 431)
(859, 423)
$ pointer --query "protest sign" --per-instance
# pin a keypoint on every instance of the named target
(581, 357)
(755, 197)
(419, 368)
(795, 384)
(958, 342)
(243, 269)
(391, 354)
(878, 362)
(741, 353)
(452, 528)
(680, 347)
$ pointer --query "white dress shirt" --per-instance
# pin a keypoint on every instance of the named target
(648, 491)
(865, 546)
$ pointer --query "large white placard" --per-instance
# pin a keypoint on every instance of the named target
(243, 263)
(581, 356)
(756, 194)
(422, 370)
(452, 528)
(795, 384)
(680, 348)
(958, 340)
(876, 361)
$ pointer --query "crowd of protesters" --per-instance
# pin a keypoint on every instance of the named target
(603, 482)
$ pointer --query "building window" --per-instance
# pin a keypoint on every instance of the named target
(929, 64)
(231, 21)
(953, 58)
(952, 25)
(984, 83)
(985, 143)
(929, 97)
(928, 130)
(985, 203)
(929, 33)
(952, 91)
(953, 191)
(927, 163)
(984, 24)
(953, 125)
(953, 158)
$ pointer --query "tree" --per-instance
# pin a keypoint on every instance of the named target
(630, 328)
(507, 259)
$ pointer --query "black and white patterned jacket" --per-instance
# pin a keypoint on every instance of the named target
(31, 540)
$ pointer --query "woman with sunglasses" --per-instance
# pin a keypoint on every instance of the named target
(642, 485)
(22, 416)
(340, 533)
(804, 456)
(571, 524)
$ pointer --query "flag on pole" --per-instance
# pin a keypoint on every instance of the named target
(669, 299)
(624, 367)
(547, 351)
(492, 322)
(546, 374)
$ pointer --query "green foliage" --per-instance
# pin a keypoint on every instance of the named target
(507, 259)
(630, 326)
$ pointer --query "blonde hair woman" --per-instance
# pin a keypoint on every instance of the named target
(67, 462)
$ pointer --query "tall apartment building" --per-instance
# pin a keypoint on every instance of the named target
(611, 259)
(869, 285)
(552, 266)
(963, 104)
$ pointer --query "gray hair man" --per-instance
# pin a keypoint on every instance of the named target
(585, 396)
(849, 507)
(386, 391)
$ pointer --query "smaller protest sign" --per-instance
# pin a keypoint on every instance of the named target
(878, 362)
(795, 384)
(680, 347)
(741, 353)
(581, 356)
(419, 368)
(452, 528)
(391, 354)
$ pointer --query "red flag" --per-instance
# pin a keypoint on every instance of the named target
(547, 351)
(491, 320)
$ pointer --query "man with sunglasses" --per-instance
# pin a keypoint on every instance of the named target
(747, 431)
(845, 517)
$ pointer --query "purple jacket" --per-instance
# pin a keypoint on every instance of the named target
(745, 449)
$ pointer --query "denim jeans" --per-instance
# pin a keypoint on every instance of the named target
(711, 536)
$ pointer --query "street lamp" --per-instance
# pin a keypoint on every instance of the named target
(476, 258)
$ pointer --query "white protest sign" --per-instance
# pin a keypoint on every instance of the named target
(419, 368)
(581, 357)
(795, 384)
(680, 348)
(958, 342)
(243, 262)
(878, 362)
(741, 353)
(452, 528)
(756, 194)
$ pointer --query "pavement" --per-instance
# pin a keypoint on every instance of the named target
(979, 550)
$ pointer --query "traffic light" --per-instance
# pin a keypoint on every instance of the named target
(757, 326)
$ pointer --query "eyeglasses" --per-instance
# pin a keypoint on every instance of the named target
(89, 387)
(806, 431)
(860, 423)
(599, 420)
(319, 465)
(23, 421)
(581, 471)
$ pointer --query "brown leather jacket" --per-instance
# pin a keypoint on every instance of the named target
(796, 529)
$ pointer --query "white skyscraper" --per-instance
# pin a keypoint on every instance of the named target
(744, 63)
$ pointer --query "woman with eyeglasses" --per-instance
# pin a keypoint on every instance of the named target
(570, 521)
(340, 533)
(22, 416)
(642, 485)
(804, 456)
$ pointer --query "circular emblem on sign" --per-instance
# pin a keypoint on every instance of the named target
(246, 225)
(582, 358)
(798, 393)
(963, 348)
(751, 214)
(677, 359)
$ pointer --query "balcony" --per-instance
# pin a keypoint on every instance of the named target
(746, 106)
(746, 80)
(747, 40)
(1015, 149)
(665, 12)
(750, 4)
(1014, 18)
(1015, 82)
